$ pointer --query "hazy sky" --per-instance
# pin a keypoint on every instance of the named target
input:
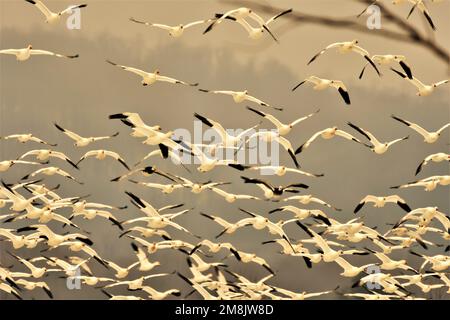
(79, 95)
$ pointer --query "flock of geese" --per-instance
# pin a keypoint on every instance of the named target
(325, 239)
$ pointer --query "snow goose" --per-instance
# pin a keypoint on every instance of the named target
(36, 272)
(144, 263)
(20, 203)
(149, 78)
(82, 141)
(377, 146)
(50, 171)
(6, 164)
(90, 214)
(165, 188)
(10, 290)
(26, 137)
(429, 136)
(135, 284)
(154, 294)
(302, 214)
(438, 262)
(435, 157)
(327, 134)
(389, 264)
(419, 4)
(347, 47)
(121, 272)
(322, 84)
(240, 96)
(147, 232)
(25, 53)
(387, 59)
(226, 138)
(146, 171)
(232, 197)
(175, 31)
(102, 154)
(271, 191)
(214, 247)
(283, 129)
(270, 136)
(306, 199)
(379, 202)
(256, 33)
(45, 154)
(246, 257)
(52, 17)
(54, 239)
(29, 285)
(238, 14)
(423, 90)
(428, 184)
(278, 170)
(199, 187)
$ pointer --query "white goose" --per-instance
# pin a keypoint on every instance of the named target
(322, 84)
(25, 53)
(26, 137)
(232, 197)
(347, 47)
(149, 78)
(45, 154)
(423, 90)
(387, 59)
(377, 146)
(175, 31)
(6, 164)
(283, 129)
(240, 96)
(435, 157)
(52, 17)
(82, 141)
(429, 136)
(102, 154)
(306, 199)
(327, 134)
(379, 202)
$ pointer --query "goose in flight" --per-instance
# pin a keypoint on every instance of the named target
(270, 136)
(26, 137)
(45, 154)
(283, 129)
(144, 263)
(237, 14)
(423, 90)
(53, 239)
(149, 78)
(278, 170)
(227, 140)
(435, 157)
(6, 164)
(428, 184)
(429, 136)
(174, 31)
(147, 232)
(299, 295)
(102, 154)
(52, 17)
(90, 214)
(165, 188)
(438, 262)
(82, 141)
(347, 47)
(386, 59)
(306, 199)
(215, 247)
(25, 53)
(246, 257)
(121, 272)
(146, 171)
(377, 146)
(419, 4)
(327, 134)
(389, 264)
(271, 191)
(302, 214)
(256, 33)
(35, 272)
(50, 171)
(232, 197)
(10, 290)
(29, 285)
(322, 84)
(240, 96)
(379, 202)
